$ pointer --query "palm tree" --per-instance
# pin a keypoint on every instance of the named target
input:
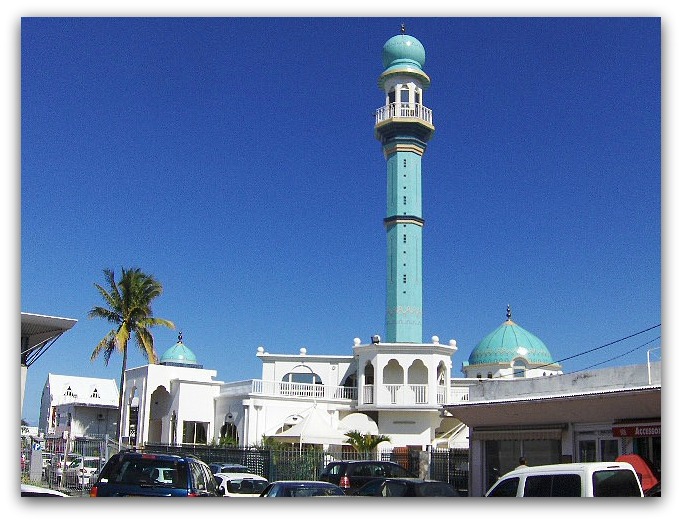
(128, 306)
(366, 443)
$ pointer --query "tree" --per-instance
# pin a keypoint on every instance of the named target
(366, 443)
(128, 305)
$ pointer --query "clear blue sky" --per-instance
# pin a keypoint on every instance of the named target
(234, 159)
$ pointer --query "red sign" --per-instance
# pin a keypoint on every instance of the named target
(653, 430)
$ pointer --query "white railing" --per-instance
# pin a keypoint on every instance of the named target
(296, 389)
(403, 110)
(459, 394)
(409, 394)
(397, 394)
(368, 394)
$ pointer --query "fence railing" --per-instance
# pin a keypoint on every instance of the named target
(281, 463)
(403, 110)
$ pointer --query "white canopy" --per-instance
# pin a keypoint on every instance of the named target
(313, 429)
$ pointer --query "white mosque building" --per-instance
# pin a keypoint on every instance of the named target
(395, 386)
(400, 386)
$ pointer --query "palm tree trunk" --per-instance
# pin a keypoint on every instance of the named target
(120, 394)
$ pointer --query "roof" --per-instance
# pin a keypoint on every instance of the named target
(38, 332)
(508, 342)
(92, 391)
(179, 355)
(313, 429)
(641, 402)
(404, 54)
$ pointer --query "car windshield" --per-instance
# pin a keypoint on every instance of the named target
(147, 473)
(313, 491)
(246, 486)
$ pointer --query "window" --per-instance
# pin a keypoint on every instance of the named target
(94, 394)
(519, 366)
(69, 392)
(418, 97)
(566, 485)
(391, 97)
(194, 432)
(404, 95)
(303, 378)
(615, 483)
(506, 488)
(198, 478)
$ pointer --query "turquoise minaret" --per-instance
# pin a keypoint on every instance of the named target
(403, 126)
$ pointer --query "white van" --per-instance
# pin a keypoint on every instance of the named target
(583, 479)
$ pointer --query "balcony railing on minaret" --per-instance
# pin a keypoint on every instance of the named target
(404, 110)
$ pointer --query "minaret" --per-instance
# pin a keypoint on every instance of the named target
(403, 126)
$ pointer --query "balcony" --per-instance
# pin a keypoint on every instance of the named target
(304, 391)
(378, 395)
(404, 110)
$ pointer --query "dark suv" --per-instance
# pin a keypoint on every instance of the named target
(139, 474)
(350, 475)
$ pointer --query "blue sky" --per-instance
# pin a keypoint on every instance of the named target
(234, 159)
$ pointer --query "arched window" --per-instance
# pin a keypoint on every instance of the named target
(405, 94)
(519, 366)
(302, 378)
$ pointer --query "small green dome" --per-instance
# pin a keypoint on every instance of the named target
(508, 342)
(403, 50)
(179, 355)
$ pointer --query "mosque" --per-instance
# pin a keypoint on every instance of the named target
(395, 386)
(399, 386)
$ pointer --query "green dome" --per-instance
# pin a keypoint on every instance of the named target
(404, 50)
(179, 355)
(508, 342)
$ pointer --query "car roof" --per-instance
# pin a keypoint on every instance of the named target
(567, 467)
(239, 475)
(305, 482)
(31, 490)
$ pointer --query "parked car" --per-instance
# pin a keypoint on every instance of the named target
(302, 488)
(351, 475)
(79, 472)
(29, 490)
(227, 467)
(583, 479)
(406, 487)
(241, 484)
(141, 474)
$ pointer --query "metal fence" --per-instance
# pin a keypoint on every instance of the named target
(448, 465)
(48, 462)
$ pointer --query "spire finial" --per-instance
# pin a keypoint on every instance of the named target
(508, 313)
(180, 337)
(402, 28)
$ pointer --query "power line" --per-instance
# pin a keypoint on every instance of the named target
(617, 356)
(604, 346)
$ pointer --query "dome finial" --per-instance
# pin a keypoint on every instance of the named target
(180, 337)
(402, 28)
(508, 313)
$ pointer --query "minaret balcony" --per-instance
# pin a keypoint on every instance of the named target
(406, 395)
(402, 110)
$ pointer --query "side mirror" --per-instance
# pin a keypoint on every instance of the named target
(221, 491)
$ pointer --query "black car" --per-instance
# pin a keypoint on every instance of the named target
(351, 475)
(302, 488)
(140, 474)
(406, 487)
